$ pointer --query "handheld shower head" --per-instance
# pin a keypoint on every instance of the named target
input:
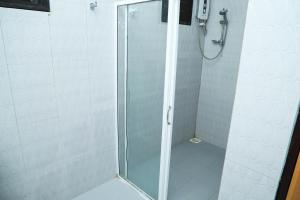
(223, 12)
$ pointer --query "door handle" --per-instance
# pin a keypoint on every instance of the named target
(168, 115)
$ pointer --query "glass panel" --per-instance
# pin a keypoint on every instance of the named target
(144, 80)
(122, 89)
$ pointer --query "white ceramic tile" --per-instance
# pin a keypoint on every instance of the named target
(51, 90)
(33, 91)
(41, 154)
(240, 182)
(23, 184)
(71, 77)
(265, 105)
(74, 106)
(5, 95)
(262, 141)
(5, 192)
(2, 49)
(86, 170)
(103, 129)
(50, 184)
(36, 103)
(68, 31)
(7, 117)
(95, 33)
(11, 163)
(8, 138)
(30, 75)
(37, 131)
(76, 141)
(31, 45)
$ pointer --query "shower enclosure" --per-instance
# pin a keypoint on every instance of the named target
(141, 68)
(142, 103)
(159, 61)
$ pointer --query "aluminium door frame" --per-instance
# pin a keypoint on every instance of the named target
(169, 89)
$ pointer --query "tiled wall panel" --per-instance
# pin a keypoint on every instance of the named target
(188, 79)
(218, 81)
(57, 135)
(266, 102)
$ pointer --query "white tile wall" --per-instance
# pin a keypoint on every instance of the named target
(57, 136)
(266, 102)
(188, 78)
(218, 81)
(25, 45)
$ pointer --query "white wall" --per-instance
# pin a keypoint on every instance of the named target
(219, 76)
(188, 78)
(57, 100)
(266, 101)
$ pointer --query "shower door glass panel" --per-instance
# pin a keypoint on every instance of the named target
(122, 62)
(145, 71)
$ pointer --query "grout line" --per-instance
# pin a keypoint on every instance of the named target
(89, 76)
(90, 85)
(12, 97)
(53, 79)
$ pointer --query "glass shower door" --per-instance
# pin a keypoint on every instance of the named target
(141, 72)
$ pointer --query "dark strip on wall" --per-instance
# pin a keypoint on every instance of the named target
(186, 11)
(291, 162)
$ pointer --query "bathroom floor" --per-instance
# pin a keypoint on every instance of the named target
(195, 174)
(115, 189)
(196, 171)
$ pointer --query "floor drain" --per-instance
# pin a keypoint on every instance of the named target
(195, 140)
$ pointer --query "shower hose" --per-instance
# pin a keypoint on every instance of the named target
(224, 34)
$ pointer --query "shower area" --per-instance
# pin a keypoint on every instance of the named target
(209, 46)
